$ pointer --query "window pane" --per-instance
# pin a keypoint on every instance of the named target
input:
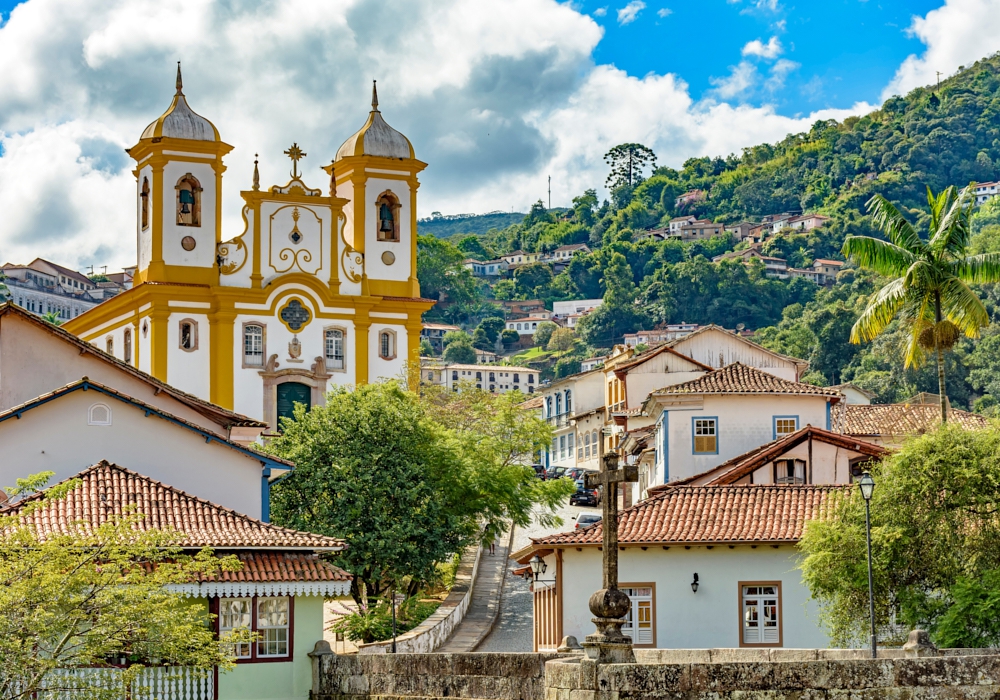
(234, 614)
(272, 625)
(334, 349)
(253, 345)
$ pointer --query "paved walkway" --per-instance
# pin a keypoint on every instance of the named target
(482, 610)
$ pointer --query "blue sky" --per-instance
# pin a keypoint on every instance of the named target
(495, 95)
(847, 50)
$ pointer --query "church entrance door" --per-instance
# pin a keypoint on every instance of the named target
(291, 393)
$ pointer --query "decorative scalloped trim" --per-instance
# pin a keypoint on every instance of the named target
(249, 588)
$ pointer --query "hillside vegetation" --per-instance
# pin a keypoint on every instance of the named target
(934, 136)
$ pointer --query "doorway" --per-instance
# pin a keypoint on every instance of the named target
(289, 394)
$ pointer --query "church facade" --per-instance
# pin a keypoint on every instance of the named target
(319, 290)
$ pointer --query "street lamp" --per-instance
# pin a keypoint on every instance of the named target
(867, 486)
(393, 618)
(537, 566)
(694, 584)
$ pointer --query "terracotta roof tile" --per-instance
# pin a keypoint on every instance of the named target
(902, 419)
(272, 567)
(106, 491)
(738, 378)
(711, 514)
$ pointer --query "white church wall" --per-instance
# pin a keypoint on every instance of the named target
(144, 235)
(203, 254)
(282, 255)
(236, 254)
(379, 368)
(150, 445)
(743, 423)
(709, 618)
(143, 340)
(189, 370)
(375, 265)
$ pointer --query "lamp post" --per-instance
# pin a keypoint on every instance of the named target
(867, 486)
(393, 618)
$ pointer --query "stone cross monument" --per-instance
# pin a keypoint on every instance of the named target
(610, 605)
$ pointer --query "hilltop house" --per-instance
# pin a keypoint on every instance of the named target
(574, 407)
(278, 593)
(434, 334)
(43, 287)
(668, 332)
(497, 379)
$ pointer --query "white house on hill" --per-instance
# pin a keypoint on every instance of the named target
(717, 347)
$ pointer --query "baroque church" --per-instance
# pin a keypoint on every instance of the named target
(319, 290)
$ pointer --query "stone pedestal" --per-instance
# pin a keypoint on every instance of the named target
(608, 645)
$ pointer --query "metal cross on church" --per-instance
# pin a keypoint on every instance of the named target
(610, 605)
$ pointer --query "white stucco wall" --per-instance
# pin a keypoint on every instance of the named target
(399, 270)
(717, 348)
(743, 423)
(189, 370)
(145, 236)
(706, 619)
(203, 254)
(280, 255)
(379, 368)
(56, 437)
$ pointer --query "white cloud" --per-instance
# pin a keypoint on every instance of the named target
(738, 83)
(494, 97)
(772, 49)
(630, 12)
(664, 12)
(600, 11)
(779, 71)
(958, 33)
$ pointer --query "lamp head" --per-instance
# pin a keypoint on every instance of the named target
(694, 584)
(537, 566)
(867, 486)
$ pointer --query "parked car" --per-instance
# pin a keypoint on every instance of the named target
(574, 473)
(584, 497)
(587, 519)
(555, 472)
(539, 471)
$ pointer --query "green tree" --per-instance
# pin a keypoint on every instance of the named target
(371, 468)
(473, 247)
(627, 162)
(928, 287)
(544, 332)
(584, 207)
(440, 271)
(52, 317)
(504, 290)
(509, 338)
(426, 349)
(561, 340)
(80, 598)
(934, 530)
(481, 340)
(531, 277)
(460, 350)
(492, 326)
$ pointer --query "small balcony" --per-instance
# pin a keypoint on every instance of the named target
(153, 683)
(560, 421)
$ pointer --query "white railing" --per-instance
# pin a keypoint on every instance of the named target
(152, 683)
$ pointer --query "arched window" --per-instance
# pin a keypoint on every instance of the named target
(333, 343)
(99, 414)
(586, 445)
(548, 406)
(128, 346)
(144, 203)
(493, 376)
(593, 440)
(188, 201)
(531, 379)
(569, 401)
(109, 345)
(253, 345)
(559, 404)
(479, 376)
(387, 345)
(387, 208)
(188, 335)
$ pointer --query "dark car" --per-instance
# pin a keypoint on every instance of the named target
(574, 473)
(555, 472)
(584, 497)
(539, 471)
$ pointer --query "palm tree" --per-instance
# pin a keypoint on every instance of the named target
(928, 286)
(53, 318)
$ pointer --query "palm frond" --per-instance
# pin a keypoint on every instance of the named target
(920, 318)
(962, 306)
(977, 269)
(885, 258)
(899, 231)
(880, 311)
(953, 230)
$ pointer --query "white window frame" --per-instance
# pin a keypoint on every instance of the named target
(263, 345)
(760, 614)
(643, 608)
(387, 344)
(226, 619)
(329, 336)
(272, 633)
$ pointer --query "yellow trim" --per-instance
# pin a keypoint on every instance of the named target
(221, 325)
(158, 345)
(306, 304)
(362, 331)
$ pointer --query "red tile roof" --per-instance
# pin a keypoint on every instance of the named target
(711, 514)
(738, 378)
(272, 567)
(106, 491)
(902, 419)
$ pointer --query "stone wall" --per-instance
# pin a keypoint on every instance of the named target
(472, 676)
(951, 677)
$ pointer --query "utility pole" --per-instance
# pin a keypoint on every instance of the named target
(938, 79)
(550, 191)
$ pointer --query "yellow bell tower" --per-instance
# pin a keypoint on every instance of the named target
(179, 196)
(376, 170)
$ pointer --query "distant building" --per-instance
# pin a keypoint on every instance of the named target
(776, 268)
(525, 326)
(689, 197)
(530, 307)
(806, 222)
(828, 269)
(566, 252)
(485, 357)
(671, 331)
(43, 287)
(591, 363)
(562, 309)
(674, 225)
(520, 257)
(497, 379)
(741, 230)
(985, 191)
(434, 334)
(490, 268)
(699, 230)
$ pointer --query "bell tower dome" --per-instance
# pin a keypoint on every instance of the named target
(376, 169)
(179, 195)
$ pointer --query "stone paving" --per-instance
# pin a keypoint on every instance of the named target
(513, 629)
(485, 599)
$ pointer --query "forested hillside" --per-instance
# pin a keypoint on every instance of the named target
(935, 136)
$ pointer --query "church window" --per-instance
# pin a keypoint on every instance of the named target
(188, 335)
(334, 348)
(109, 345)
(128, 346)
(144, 203)
(387, 208)
(253, 345)
(387, 345)
(188, 201)
(99, 414)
